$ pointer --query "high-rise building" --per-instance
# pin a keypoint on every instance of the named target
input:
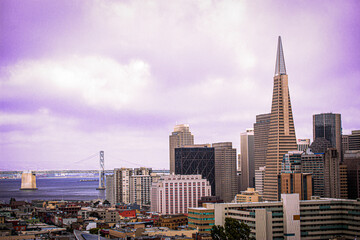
(328, 126)
(314, 164)
(225, 171)
(281, 131)
(122, 185)
(140, 186)
(259, 180)
(303, 144)
(352, 161)
(345, 143)
(300, 183)
(320, 145)
(109, 192)
(291, 162)
(175, 194)
(261, 134)
(343, 180)
(292, 180)
(332, 173)
(247, 159)
(354, 140)
(196, 159)
(181, 136)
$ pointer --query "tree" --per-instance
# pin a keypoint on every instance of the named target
(232, 230)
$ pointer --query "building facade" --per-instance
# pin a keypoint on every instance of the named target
(261, 134)
(247, 159)
(328, 126)
(259, 180)
(109, 192)
(321, 218)
(122, 185)
(303, 144)
(197, 159)
(202, 219)
(332, 173)
(181, 136)
(352, 161)
(281, 131)
(226, 185)
(140, 186)
(354, 140)
(250, 195)
(314, 164)
(175, 194)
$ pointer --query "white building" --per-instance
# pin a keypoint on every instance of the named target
(176, 193)
(259, 180)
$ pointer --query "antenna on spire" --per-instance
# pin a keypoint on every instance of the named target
(280, 68)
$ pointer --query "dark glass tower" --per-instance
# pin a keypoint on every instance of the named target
(328, 126)
(196, 160)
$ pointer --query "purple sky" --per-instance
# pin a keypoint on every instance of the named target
(78, 77)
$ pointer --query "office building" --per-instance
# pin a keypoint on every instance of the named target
(352, 161)
(250, 195)
(320, 145)
(181, 136)
(109, 192)
(259, 180)
(261, 133)
(281, 131)
(314, 164)
(196, 159)
(225, 171)
(300, 183)
(343, 180)
(321, 218)
(247, 159)
(122, 185)
(354, 140)
(291, 162)
(345, 143)
(202, 219)
(140, 186)
(175, 194)
(303, 144)
(328, 126)
(332, 173)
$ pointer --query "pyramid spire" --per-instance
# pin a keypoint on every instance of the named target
(280, 68)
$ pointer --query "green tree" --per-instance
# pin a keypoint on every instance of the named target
(232, 230)
(94, 230)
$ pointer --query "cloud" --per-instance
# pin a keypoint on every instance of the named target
(95, 81)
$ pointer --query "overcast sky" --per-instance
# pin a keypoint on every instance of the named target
(77, 77)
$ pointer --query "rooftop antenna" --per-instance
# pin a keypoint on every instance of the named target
(101, 172)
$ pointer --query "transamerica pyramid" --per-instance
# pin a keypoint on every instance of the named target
(281, 132)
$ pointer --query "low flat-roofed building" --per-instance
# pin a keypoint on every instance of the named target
(291, 218)
(202, 219)
(250, 195)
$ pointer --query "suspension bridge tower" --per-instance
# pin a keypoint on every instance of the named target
(101, 172)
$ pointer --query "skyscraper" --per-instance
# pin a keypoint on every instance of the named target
(328, 126)
(261, 133)
(196, 159)
(180, 137)
(332, 173)
(303, 144)
(225, 171)
(247, 159)
(281, 131)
